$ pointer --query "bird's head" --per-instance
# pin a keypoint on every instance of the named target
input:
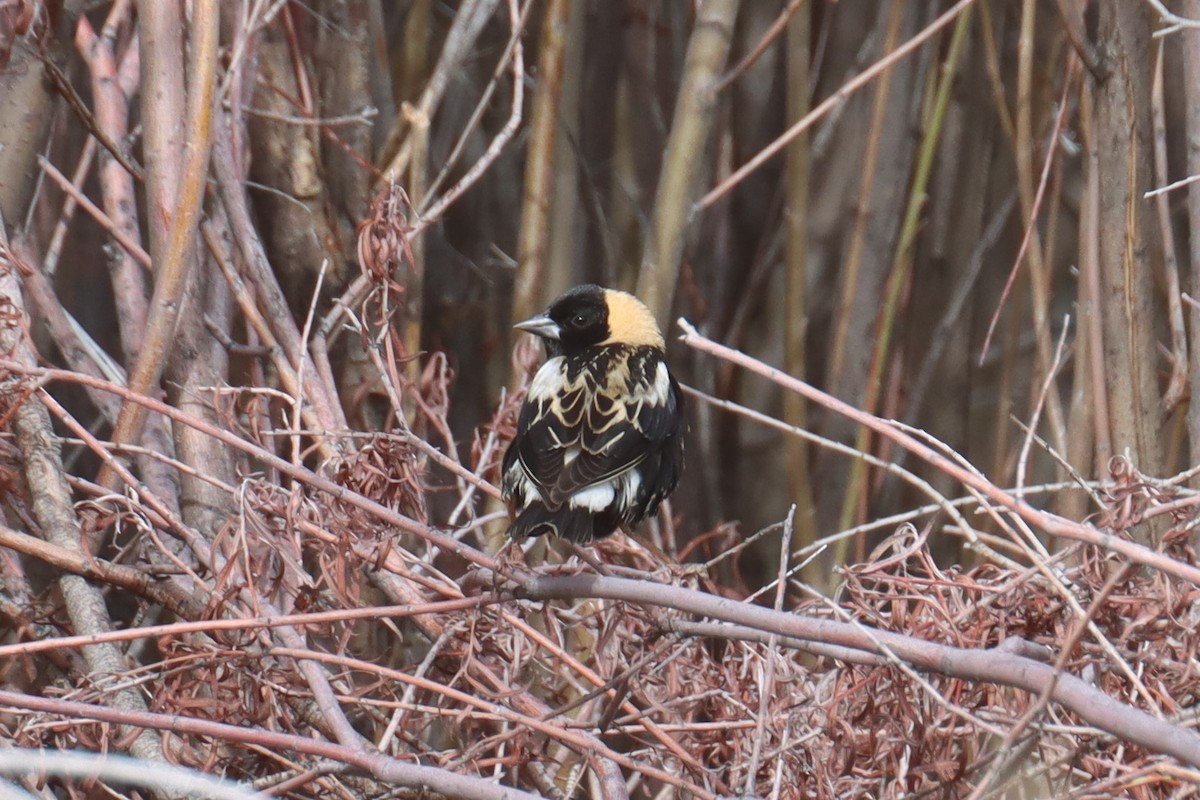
(589, 316)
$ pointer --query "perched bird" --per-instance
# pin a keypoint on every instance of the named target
(599, 440)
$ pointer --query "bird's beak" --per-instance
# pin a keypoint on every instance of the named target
(541, 325)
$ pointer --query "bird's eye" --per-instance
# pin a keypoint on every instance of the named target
(578, 321)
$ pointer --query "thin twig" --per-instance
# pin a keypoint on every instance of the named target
(1051, 523)
(847, 89)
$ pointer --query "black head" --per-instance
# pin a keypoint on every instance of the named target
(591, 315)
(581, 315)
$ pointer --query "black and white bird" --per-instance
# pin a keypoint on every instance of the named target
(599, 440)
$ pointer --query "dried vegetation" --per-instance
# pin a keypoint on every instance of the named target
(256, 381)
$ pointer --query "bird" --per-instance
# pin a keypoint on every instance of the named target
(599, 441)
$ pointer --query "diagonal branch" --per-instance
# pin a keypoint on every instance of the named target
(1048, 522)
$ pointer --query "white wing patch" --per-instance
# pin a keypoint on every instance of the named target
(651, 394)
(594, 498)
(629, 484)
(548, 380)
(662, 385)
(518, 479)
(620, 490)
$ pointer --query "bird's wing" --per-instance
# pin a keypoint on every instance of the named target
(616, 436)
(547, 430)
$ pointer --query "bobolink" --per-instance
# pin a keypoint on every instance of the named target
(599, 440)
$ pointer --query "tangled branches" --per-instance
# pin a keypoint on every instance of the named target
(562, 676)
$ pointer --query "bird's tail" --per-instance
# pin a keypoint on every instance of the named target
(574, 524)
